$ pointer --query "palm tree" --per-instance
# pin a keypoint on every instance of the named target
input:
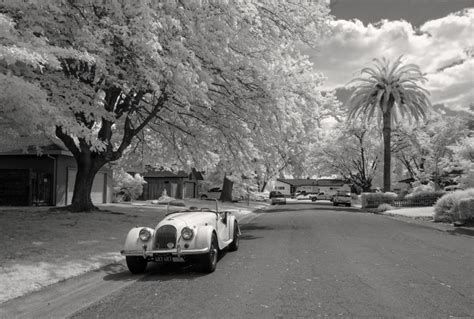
(389, 91)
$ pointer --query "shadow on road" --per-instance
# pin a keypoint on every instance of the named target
(304, 206)
(117, 272)
(462, 231)
(253, 226)
(165, 272)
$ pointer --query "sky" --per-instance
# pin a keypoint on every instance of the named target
(438, 35)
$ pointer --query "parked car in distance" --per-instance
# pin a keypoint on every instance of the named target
(273, 194)
(342, 198)
(215, 193)
(212, 193)
(278, 199)
(322, 196)
(303, 195)
(194, 235)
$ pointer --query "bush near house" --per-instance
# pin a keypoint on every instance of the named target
(455, 206)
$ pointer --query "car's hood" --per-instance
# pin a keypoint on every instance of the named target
(189, 219)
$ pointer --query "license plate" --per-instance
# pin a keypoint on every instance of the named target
(168, 259)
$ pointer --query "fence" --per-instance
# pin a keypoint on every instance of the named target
(406, 202)
(414, 202)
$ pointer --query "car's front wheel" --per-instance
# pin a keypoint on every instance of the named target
(136, 264)
(234, 245)
(209, 260)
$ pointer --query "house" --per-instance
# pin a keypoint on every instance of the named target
(28, 179)
(314, 186)
(177, 184)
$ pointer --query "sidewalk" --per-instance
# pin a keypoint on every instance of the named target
(423, 216)
(42, 247)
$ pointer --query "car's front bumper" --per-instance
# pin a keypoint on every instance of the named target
(173, 252)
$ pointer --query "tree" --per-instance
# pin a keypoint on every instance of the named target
(425, 150)
(352, 152)
(190, 78)
(463, 155)
(391, 91)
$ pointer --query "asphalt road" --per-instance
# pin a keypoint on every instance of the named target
(307, 260)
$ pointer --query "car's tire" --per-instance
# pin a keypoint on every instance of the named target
(234, 245)
(349, 205)
(203, 197)
(209, 260)
(136, 264)
(334, 204)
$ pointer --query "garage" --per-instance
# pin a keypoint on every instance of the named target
(14, 187)
(99, 189)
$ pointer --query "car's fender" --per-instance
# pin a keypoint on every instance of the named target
(203, 237)
(232, 222)
(133, 241)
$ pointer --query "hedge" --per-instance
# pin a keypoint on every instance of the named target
(455, 206)
(373, 200)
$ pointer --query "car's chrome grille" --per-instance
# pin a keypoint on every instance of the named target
(164, 236)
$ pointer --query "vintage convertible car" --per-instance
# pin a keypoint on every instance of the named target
(194, 235)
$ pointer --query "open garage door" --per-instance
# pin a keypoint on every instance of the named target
(98, 193)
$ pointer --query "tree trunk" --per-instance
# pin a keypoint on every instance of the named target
(87, 168)
(387, 154)
(226, 195)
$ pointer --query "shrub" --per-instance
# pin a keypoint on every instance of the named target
(448, 208)
(424, 198)
(371, 200)
(127, 187)
(422, 188)
(383, 208)
(466, 209)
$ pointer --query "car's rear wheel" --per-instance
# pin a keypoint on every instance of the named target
(234, 245)
(209, 260)
(136, 264)
(203, 197)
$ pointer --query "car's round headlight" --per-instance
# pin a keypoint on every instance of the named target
(144, 234)
(187, 233)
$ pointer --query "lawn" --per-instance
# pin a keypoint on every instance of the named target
(41, 246)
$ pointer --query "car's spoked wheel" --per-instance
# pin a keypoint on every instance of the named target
(136, 264)
(234, 245)
(209, 260)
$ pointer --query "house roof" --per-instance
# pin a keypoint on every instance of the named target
(197, 175)
(313, 182)
(165, 174)
(54, 147)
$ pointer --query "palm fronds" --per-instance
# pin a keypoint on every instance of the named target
(387, 86)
